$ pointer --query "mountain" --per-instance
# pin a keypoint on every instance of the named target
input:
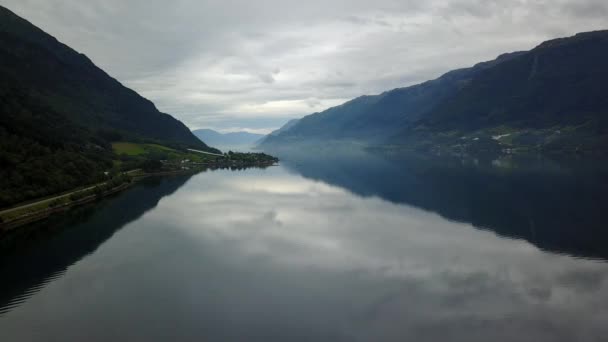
(291, 123)
(228, 140)
(549, 98)
(374, 118)
(68, 83)
(59, 114)
(286, 127)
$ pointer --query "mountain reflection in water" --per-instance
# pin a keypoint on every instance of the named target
(36, 254)
(558, 206)
(346, 247)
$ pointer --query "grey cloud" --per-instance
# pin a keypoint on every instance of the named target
(586, 9)
(583, 280)
(313, 102)
(270, 77)
(362, 20)
(266, 78)
(201, 60)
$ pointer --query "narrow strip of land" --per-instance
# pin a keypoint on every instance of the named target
(47, 200)
(6, 211)
(203, 152)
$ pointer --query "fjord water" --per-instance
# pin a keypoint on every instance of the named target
(344, 247)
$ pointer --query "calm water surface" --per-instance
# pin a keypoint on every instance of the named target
(349, 248)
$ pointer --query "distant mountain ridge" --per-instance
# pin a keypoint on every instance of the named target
(550, 98)
(59, 114)
(287, 126)
(232, 139)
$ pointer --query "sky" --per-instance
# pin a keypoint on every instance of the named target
(249, 65)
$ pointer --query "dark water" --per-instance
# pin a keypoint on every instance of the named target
(349, 247)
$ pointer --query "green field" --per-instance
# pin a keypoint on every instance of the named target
(138, 151)
(134, 149)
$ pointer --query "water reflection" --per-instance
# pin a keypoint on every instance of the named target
(35, 255)
(558, 206)
(268, 255)
(296, 259)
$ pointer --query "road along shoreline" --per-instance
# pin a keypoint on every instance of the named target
(43, 213)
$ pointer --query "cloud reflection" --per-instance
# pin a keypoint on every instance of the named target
(441, 274)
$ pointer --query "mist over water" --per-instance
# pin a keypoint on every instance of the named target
(351, 246)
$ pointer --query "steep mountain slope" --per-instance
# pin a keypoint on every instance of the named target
(54, 75)
(375, 118)
(286, 127)
(59, 113)
(233, 139)
(552, 97)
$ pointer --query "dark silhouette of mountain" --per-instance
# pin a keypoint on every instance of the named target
(34, 255)
(551, 97)
(59, 113)
(228, 140)
(69, 84)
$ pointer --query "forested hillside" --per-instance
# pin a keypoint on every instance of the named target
(59, 114)
(551, 98)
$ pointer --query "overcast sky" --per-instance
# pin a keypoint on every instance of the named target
(253, 65)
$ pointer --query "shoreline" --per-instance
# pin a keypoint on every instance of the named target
(44, 213)
(47, 212)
